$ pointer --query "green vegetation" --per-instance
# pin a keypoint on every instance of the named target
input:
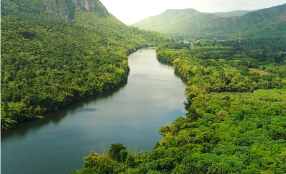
(49, 61)
(190, 23)
(235, 123)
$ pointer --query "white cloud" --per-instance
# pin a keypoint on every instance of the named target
(131, 11)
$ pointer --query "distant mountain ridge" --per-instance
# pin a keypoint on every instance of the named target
(258, 23)
(165, 18)
(268, 22)
(232, 13)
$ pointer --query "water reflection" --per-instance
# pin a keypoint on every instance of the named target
(176, 72)
(56, 116)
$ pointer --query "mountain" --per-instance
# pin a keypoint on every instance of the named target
(173, 20)
(183, 20)
(232, 13)
(54, 52)
(269, 22)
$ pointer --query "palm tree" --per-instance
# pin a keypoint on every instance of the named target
(6, 122)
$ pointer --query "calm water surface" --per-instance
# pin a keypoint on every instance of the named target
(132, 115)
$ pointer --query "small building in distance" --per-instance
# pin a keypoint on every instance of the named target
(185, 41)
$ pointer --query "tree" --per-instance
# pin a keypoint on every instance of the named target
(114, 151)
(278, 58)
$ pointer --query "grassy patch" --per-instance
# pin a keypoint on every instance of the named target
(261, 73)
(211, 47)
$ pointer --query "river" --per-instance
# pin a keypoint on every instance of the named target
(131, 114)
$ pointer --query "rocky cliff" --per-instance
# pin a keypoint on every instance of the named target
(66, 8)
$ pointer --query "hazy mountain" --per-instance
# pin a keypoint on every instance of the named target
(269, 22)
(232, 13)
(265, 22)
(165, 19)
(182, 20)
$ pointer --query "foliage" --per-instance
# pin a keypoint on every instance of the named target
(115, 151)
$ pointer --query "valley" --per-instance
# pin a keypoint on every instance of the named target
(180, 92)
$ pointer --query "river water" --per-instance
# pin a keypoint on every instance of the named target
(132, 115)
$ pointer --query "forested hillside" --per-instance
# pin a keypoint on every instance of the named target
(165, 19)
(235, 123)
(176, 21)
(232, 13)
(182, 21)
(268, 22)
(56, 52)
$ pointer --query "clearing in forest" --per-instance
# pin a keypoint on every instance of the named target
(261, 73)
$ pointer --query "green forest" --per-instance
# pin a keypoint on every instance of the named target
(48, 62)
(235, 121)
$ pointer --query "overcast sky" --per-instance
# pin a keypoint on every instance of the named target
(131, 11)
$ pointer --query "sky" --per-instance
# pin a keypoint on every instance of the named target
(131, 11)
